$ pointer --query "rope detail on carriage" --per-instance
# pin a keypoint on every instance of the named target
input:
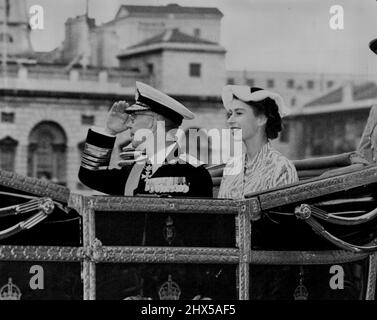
(306, 213)
(43, 205)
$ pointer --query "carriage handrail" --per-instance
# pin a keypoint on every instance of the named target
(314, 188)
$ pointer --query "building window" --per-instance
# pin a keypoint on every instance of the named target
(195, 70)
(230, 81)
(197, 32)
(290, 84)
(151, 28)
(330, 84)
(310, 84)
(87, 120)
(270, 83)
(150, 67)
(284, 134)
(8, 153)
(250, 82)
(47, 152)
(7, 117)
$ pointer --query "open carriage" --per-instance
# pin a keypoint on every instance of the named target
(286, 243)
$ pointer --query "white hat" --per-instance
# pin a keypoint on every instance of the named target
(246, 94)
(148, 98)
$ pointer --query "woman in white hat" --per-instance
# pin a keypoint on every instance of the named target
(258, 113)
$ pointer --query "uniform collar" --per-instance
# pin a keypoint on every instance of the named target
(159, 158)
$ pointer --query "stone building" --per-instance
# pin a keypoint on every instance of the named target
(332, 123)
(49, 100)
(178, 62)
(131, 25)
(45, 113)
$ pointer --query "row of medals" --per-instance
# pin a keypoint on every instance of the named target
(164, 184)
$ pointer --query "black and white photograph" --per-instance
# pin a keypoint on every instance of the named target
(208, 151)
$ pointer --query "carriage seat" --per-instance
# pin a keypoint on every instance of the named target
(310, 168)
(329, 165)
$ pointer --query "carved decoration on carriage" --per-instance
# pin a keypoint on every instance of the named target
(169, 290)
(10, 291)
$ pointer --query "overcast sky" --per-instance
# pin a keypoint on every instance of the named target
(265, 35)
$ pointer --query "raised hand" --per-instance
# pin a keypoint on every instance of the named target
(117, 118)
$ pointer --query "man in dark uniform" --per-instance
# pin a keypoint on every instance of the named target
(163, 170)
(160, 170)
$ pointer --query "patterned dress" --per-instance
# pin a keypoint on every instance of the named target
(268, 169)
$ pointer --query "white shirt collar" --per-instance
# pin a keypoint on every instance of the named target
(160, 156)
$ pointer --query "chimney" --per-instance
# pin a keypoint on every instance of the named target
(77, 37)
(18, 31)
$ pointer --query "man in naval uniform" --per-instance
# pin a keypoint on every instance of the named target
(368, 142)
(176, 174)
(161, 171)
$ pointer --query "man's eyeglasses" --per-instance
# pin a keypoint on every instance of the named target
(132, 116)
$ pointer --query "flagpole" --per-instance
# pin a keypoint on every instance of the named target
(5, 40)
(87, 9)
(85, 57)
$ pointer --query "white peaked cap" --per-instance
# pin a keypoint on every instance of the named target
(148, 98)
